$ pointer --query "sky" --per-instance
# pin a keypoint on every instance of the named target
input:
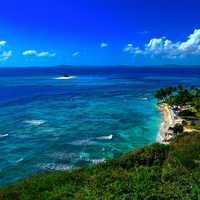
(99, 32)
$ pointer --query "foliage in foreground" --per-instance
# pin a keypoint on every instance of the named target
(151, 173)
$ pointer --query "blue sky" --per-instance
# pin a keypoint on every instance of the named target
(99, 32)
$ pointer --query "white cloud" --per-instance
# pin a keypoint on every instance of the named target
(192, 44)
(77, 53)
(155, 45)
(46, 54)
(38, 54)
(131, 49)
(2, 43)
(29, 53)
(5, 55)
(162, 46)
(166, 48)
(103, 45)
(128, 48)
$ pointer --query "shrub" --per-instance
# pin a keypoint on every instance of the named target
(186, 113)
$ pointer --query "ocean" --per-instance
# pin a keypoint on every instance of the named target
(48, 123)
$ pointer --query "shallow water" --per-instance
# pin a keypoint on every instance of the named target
(55, 124)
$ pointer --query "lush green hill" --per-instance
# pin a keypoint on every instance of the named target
(154, 172)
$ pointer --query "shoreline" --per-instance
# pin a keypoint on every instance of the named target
(167, 121)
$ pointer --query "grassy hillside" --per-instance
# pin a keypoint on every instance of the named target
(154, 172)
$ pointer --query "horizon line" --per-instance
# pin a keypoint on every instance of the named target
(119, 65)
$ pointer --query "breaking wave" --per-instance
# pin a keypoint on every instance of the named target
(35, 122)
(108, 137)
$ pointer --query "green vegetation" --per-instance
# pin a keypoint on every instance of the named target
(154, 172)
(180, 96)
(186, 113)
(177, 129)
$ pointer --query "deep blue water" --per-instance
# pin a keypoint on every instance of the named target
(50, 124)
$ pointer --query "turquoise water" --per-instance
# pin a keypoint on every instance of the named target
(49, 124)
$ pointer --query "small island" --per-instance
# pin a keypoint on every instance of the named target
(169, 169)
(65, 77)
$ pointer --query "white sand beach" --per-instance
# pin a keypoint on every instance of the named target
(168, 120)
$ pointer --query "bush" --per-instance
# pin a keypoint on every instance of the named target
(178, 128)
(187, 113)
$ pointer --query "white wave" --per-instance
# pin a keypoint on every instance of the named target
(97, 161)
(143, 98)
(3, 135)
(20, 160)
(108, 137)
(64, 156)
(57, 167)
(93, 160)
(82, 142)
(35, 122)
(65, 77)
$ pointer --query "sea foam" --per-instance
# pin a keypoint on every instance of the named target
(94, 161)
(35, 122)
(97, 161)
(3, 135)
(20, 160)
(82, 142)
(108, 137)
(56, 167)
